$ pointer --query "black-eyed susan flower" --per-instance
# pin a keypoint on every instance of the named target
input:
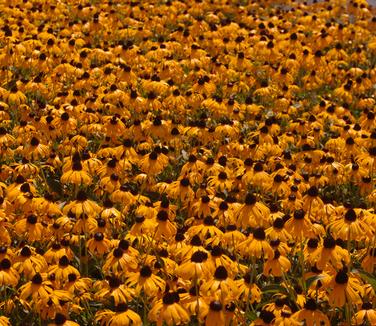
(311, 314)
(121, 316)
(344, 288)
(9, 275)
(277, 265)
(256, 245)
(169, 310)
(365, 314)
(145, 280)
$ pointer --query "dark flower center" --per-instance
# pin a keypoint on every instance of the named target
(313, 191)
(60, 319)
(37, 279)
(98, 236)
(114, 282)
(342, 277)
(31, 219)
(259, 234)
(101, 222)
(329, 243)
(278, 178)
(208, 221)
(81, 196)
(217, 251)
(72, 277)
(196, 241)
(299, 214)
(153, 155)
(171, 298)
(139, 219)
(118, 253)
(221, 273)
(215, 305)
(199, 257)
(313, 243)
(145, 271)
(267, 316)
(5, 264)
(222, 176)
(250, 199)
(25, 188)
(205, 199)
(162, 216)
(231, 227)
(34, 142)
(124, 244)
(350, 215)
(367, 305)
(77, 166)
(64, 261)
(278, 223)
(25, 252)
(184, 182)
(121, 307)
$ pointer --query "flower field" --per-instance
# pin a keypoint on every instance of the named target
(187, 162)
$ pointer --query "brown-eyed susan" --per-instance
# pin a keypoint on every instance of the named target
(169, 310)
(195, 303)
(28, 262)
(311, 314)
(61, 319)
(331, 253)
(253, 213)
(98, 244)
(77, 175)
(8, 274)
(62, 269)
(164, 228)
(220, 285)
(181, 189)
(351, 226)
(38, 287)
(122, 258)
(206, 230)
(299, 226)
(30, 226)
(121, 316)
(365, 315)
(344, 288)
(195, 266)
(277, 265)
(144, 280)
(256, 245)
(114, 288)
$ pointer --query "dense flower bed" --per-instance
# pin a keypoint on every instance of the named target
(187, 162)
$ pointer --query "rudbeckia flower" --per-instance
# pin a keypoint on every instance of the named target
(344, 288)
(38, 287)
(144, 280)
(256, 245)
(351, 226)
(365, 314)
(220, 285)
(311, 315)
(277, 265)
(122, 316)
(8, 275)
(169, 310)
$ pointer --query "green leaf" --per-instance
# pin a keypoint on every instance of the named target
(369, 278)
(274, 288)
(312, 279)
